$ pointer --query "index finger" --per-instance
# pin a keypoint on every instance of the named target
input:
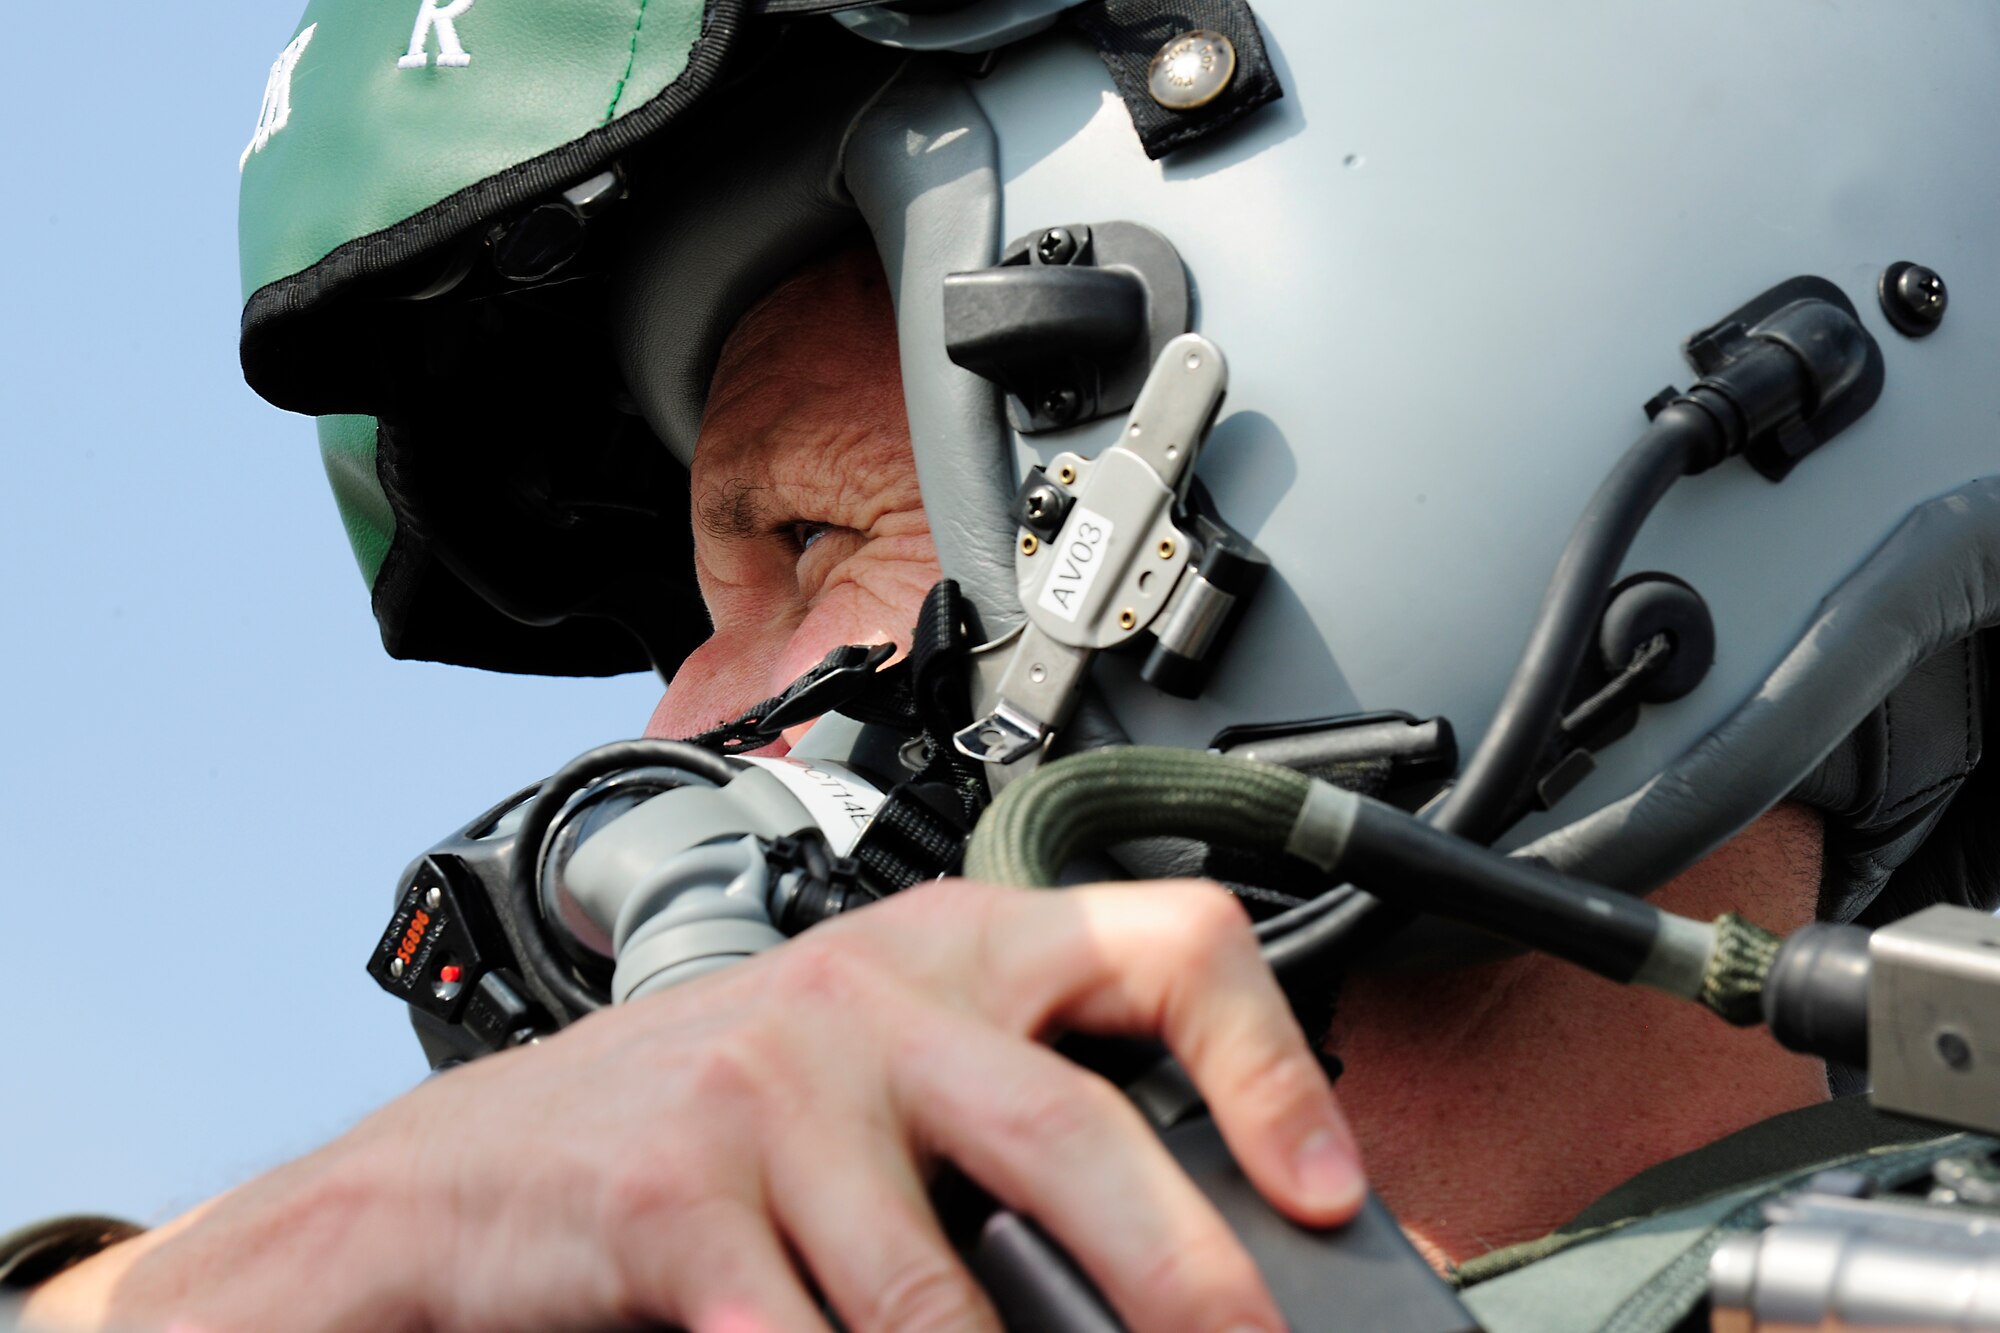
(1177, 960)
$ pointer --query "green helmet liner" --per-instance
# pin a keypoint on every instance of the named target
(386, 157)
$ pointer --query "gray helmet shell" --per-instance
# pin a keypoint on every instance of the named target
(1448, 268)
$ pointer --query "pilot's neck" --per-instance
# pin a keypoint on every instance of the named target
(1494, 1103)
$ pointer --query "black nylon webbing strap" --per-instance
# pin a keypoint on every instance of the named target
(910, 839)
(1129, 33)
(920, 831)
(926, 688)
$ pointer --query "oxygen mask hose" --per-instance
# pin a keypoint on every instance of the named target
(1090, 801)
(551, 979)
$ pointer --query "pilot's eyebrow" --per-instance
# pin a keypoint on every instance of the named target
(732, 510)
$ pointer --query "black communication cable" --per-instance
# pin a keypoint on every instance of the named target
(1295, 919)
(1681, 439)
(1772, 391)
(1297, 953)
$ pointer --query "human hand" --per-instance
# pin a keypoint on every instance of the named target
(688, 1157)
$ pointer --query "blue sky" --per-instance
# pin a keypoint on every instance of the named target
(211, 775)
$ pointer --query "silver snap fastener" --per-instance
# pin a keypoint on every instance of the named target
(1191, 70)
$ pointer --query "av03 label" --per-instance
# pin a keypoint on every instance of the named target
(1073, 562)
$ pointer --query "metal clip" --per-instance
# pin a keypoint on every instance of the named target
(1118, 559)
(1835, 1261)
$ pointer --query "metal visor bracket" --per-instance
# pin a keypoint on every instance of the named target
(1111, 556)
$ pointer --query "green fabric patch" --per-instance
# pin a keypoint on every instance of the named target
(1646, 1275)
(366, 141)
(347, 448)
(1785, 1144)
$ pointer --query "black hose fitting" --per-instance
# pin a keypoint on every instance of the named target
(1684, 437)
(1816, 996)
(811, 883)
(1783, 375)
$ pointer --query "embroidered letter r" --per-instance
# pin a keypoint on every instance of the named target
(435, 17)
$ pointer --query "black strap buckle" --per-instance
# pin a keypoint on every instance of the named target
(839, 678)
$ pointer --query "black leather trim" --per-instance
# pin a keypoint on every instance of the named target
(1886, 787)
(1893, 622)
(269, 342)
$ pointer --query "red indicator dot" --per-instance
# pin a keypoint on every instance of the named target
(450, 972)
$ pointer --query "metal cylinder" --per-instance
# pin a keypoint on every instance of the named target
(1812, 1277)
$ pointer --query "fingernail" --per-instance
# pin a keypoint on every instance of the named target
(1329, 1173)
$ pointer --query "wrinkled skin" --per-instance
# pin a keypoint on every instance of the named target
(661, 1161)
(809, 528)
(684, 1157)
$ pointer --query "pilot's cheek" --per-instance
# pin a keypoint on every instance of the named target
(874, 597)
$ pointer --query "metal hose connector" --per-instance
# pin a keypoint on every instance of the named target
(1733, 985)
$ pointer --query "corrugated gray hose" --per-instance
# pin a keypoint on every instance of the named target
(1093, 800)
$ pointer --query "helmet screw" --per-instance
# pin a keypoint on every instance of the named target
(395, 967)
(1056, 246)
(1922, 290)
(434, 899)
(1041, 501)
(1029, 543)
(1059, 405)
(1913, 297)
(1126, 620)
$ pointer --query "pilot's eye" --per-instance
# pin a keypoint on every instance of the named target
(803, 535)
